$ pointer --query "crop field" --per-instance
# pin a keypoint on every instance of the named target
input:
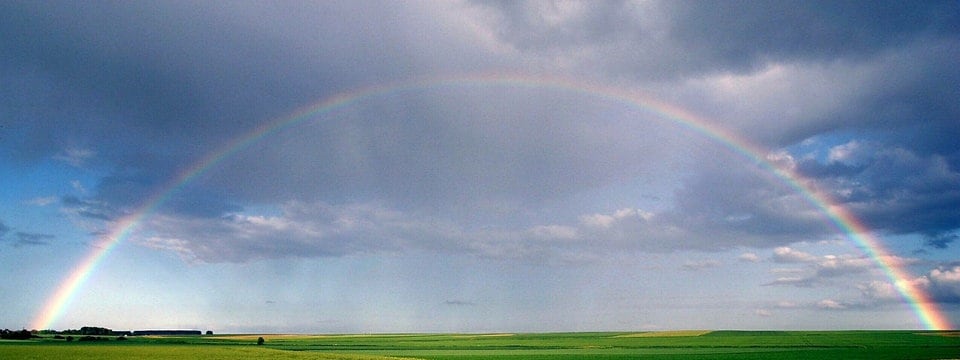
(607, 345)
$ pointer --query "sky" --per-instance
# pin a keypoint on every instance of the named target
(478, 166)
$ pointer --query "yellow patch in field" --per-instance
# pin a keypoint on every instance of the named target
(301, 336)
(482, 335)
(942, 333)
(673, 333)
(265, 336)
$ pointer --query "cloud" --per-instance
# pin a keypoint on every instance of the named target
(749, 257)
(21, 238)
(691, 38)
(787, 305)
(830, 304)
(88, 208)
(819, 270)
(798, 281)
(940, 284)
(553, 27)
(4, 229)
(899, 191)
(316, 229)
(302, 231)
(940, 240)
(833, 265)
(785, 254)
(737, 36)
(492, 171)
(42, 201)
(459, 303)
(944, 284)
(75, 156)
(32, 239)
(848, 153)
(700, 265)
(879, 291)
(321, 229)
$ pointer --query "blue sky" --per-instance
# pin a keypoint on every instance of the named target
(478, 207)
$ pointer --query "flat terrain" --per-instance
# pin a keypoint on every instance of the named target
(608, 345)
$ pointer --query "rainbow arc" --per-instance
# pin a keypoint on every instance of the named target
(926, 310)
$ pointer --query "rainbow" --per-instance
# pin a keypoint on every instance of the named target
(926, 310)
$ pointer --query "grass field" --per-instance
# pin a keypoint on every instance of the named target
(652, 345)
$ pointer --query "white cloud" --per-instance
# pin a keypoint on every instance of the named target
(76, 157)
(785, 254)
(608, 220)
(42, 201)
(749, 257)
(838, 265)
(78, 186)
(827, 269)
(830, 304)
(944, 283)
(833, 265)
(302, 230)
(946, 276)
(787, 304)
(846, 153)
(879, 290)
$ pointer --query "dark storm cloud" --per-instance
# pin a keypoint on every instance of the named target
(150, 88)
(940, 240)
(744, 35)
(895, 190)
(554, 26)
(657, 40)
(904, 96)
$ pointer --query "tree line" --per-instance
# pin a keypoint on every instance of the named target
(89, 333)
(24, 334)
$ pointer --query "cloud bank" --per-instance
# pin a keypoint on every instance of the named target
(859, 98)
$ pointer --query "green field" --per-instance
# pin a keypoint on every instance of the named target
(607, 345)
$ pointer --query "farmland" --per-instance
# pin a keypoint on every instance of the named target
(604, 345)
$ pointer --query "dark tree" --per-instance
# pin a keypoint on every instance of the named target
(260, 340)
(209, 332)
(15, 335)
(94, 330)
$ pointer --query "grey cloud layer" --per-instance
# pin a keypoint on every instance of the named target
(135, 93)
(683, 38)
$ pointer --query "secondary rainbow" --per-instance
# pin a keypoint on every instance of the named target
(926, 310)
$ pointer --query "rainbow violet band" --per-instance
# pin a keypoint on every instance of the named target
(927, 312)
